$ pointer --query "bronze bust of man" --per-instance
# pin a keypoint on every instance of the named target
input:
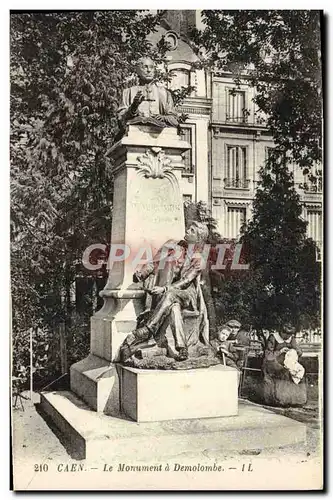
(147, 103)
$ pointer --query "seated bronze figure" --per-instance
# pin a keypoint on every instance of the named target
(176, 295)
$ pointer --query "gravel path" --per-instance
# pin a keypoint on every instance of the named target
(36, 447)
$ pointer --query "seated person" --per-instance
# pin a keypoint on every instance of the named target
(283, 352)
(234, 326)
(225, 345)
(284, 381)
(238, 333)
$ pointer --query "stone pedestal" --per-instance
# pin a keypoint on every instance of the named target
(155, 395)
(96, 437)
(147, 211)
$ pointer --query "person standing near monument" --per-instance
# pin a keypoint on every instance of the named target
(147, 103)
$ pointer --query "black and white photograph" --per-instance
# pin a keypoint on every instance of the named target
(167, 250)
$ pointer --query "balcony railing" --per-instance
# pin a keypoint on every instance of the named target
(237, 183)
(236, 119)
(247, 121)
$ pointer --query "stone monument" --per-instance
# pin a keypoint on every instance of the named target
(138, 351)
(150, 360)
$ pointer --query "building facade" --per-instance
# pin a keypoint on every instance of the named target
(229, 139)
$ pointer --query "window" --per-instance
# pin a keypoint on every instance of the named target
(187, 198)
(186, 135)
(180, 78)
(236, 168)
(236, 106)
(236, 217)
(314, 228)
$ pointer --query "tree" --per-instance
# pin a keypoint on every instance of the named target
(232, 293)
(279, 53)
(67, 70)
(284, 277)
(201, 213)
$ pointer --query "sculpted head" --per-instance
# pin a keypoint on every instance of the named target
(145, 69)
(196, 233)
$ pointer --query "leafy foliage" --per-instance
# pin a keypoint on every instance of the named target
(283, 280)
(284, 277)
(44, 346)
(232, 290)
(67, 70)
(200, 212)
(279, 53)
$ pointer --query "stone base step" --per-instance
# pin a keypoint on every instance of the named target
(87, 434)
(157, 395)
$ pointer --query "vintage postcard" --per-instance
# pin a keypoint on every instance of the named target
(166, 250)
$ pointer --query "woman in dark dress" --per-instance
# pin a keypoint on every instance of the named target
(284, 377)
